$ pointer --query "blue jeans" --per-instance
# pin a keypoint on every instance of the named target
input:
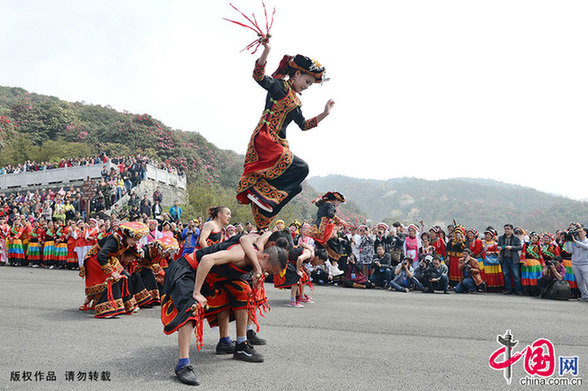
(466, 285)
(403, 284)
(441, 285)
(381, 279)
(508, 268)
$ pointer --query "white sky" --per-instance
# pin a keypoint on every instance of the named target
(428, 89)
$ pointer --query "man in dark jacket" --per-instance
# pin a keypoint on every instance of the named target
(510, 245)
(381, 265)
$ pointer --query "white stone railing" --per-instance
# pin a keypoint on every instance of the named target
(165, 177)
(66, 175)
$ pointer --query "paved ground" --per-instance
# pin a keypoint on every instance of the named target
(349, 340)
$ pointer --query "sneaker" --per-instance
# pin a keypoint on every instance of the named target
(245, 352)
(294, 304)
(35, 266)
(225, 348)
(187, 375)
(262, 205)
(306, 299)
(254, 339)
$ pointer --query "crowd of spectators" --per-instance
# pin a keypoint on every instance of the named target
(124, 163)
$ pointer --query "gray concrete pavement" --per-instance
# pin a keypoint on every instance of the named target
(349, 340)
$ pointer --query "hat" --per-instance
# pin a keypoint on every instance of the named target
(383, 225)
(167, 245)
(280, 221)
(303, 64)
(133, 229)
(416, 229)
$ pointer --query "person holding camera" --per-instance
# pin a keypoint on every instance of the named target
(381, 265)
(404, 279)
(190, 236)
(577, 245)
(470, 269)
(436, 278)
(510, 245)
(554, 270)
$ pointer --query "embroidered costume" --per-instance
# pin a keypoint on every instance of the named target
(110, 297)
(272, 174)
(322, 229)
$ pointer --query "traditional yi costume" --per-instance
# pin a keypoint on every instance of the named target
(224, 288)
(110, 297)
(323, 228)
(531, 266)
(16, 254)
(272, 174)
(35, 248)
(492, 269)
(454, 253)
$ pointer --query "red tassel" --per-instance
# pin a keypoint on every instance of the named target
(198, 313)
(257, 302)
(110, 295)
(254, 26)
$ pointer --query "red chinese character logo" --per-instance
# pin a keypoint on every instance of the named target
(539, 357)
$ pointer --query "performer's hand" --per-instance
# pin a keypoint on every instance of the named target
(116, 276)
(299, 272)
(257, 273)
(199, 298)
(266, 43)
(328, 106)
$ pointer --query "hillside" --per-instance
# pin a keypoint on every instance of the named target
(472, 202)
(45, 128)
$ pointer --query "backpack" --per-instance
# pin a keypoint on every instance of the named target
(557, 290)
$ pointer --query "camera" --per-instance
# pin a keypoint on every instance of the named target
(549, 263)
(571, 235)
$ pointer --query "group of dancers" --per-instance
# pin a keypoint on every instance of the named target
(55, 244)
(222, 280)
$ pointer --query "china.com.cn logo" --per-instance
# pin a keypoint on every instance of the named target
(539, 361)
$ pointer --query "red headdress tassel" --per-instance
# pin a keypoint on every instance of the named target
(283, 68)
(198, 313)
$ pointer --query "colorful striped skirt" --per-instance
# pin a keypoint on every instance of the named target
(60, 254)
(48, 253)
(16, 254)
(35, 253)
(571, 278)
(531, 271)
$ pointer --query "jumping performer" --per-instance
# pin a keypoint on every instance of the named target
(272, 174)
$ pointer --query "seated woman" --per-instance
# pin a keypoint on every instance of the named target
(354, 278)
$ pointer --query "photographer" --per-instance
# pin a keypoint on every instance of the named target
(404, 279)
(381, 267)
(577, 245)
(190, 235)
(553, 271)
(470, 269)
(436, 278)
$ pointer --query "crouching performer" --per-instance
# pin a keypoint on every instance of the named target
(210, 283)
(106, 287)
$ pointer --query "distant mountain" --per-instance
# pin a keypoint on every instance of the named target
(473, 202)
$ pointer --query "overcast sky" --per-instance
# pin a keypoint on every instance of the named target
(423, 88)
